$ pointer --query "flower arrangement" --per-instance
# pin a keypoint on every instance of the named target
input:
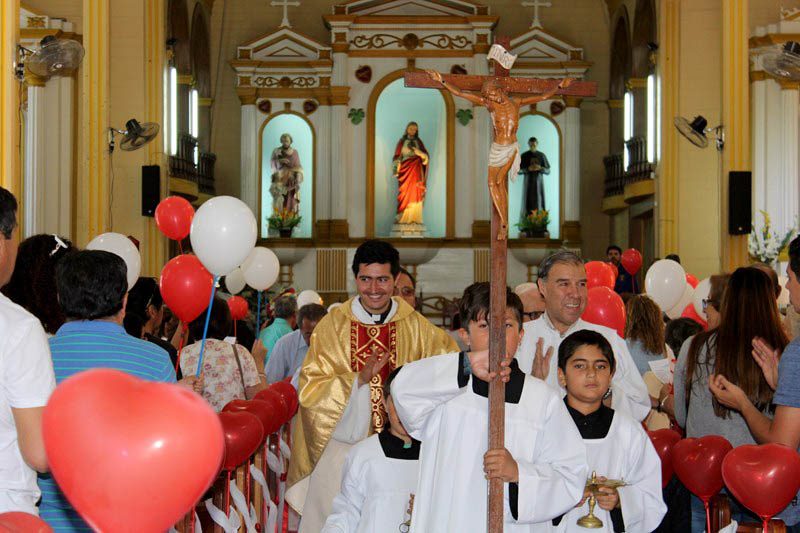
(284, 220)
(765, 245)
(537, 220)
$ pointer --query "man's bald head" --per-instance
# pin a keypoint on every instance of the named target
(532, 301)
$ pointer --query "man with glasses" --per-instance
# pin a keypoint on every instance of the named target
(562, 283)
(532, 301)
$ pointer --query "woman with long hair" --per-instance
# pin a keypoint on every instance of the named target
(411, 169)
(747, 312)
(644, 332)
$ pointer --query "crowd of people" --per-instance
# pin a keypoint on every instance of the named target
(393, 420)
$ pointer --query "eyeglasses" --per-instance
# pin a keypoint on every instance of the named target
(532, 315)
(707, 302)
(407, 291)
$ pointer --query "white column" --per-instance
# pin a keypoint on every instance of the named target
(55, 200)
(322, 177)
(35, 127)
(758, 97)
(572, 163)
(250, 154)
(464, 178)
(786, 213)
(340, 141)
(482, 131)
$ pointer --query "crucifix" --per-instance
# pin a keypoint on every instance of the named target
(502, 96)
(285, 4)
(536, 4)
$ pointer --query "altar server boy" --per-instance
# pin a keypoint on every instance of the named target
(443, 401)
(617, 448)
(379, 480)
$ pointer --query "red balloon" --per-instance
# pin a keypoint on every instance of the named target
(764, 478)
(278, 404)
(690, 312)
(174, 217)
(631, 261)
(17, 522)
(698, 464)
(692, 280)
(244, 435)
(599, 274)
(663, 440)
(605, 307)
(263, 410)
(238, 307)
(186, 287)
(616, 271)
(130, 455)
(289, 393)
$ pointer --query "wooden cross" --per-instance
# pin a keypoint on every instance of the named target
(285, 4)
(497, 95)
(536, 4)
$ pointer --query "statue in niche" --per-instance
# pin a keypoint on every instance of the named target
(535, 166)
(287, 175)
(410, 167)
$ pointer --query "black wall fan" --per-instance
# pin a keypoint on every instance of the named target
(696, 130)
(134, 136)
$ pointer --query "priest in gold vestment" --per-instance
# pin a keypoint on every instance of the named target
(353, 349)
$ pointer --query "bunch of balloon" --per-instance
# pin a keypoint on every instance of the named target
(223, 233)
(663, 440)
(174, 218)
(260, 270)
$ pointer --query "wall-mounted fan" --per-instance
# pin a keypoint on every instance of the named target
(134, 136)
(697, 129)
(784, 61)
(54, 57)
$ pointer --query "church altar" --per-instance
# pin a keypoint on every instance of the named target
(347, 110)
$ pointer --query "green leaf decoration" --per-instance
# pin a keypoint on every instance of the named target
(356, 115)
(464, 116)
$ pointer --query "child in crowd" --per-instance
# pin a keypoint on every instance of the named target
(379, 479)
(617, 448)
(443, 401)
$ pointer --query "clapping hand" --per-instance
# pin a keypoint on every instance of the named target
(372, 367)
(767, 358)
(541, 360)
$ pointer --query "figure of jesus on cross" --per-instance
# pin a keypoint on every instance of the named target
(497, 94)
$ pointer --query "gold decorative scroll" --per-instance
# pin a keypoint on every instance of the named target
(285, 81)
(411, 41)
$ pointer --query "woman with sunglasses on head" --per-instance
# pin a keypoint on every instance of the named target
(745, 311)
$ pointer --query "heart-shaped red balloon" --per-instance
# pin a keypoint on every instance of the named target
(244, 434)
(186, 286)
(264, 411)
(289, 394)
(238, 307)
(663, 440)
(764, 478)
(130, 455)
(698, 464)
(278, 404)
(17, 522)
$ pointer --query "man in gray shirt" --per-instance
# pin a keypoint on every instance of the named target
(290, 350)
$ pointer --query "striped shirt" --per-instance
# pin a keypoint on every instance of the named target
(84, 345)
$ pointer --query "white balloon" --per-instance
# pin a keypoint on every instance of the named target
(234, 281)
(783, 299)
(223, 234)
(665, 283)
(308, 297)
(700, 294)
(261, 268)
(122, 246)
(686, 299)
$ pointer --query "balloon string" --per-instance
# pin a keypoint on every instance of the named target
(182, 326)
(180, 246)
(234, 329)
(205, 327)
(708, 516)
(258, 315)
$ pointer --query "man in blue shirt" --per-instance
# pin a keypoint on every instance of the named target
(291, 349)
(92, 287)
(784, 378)
(626, 282)
(285, 321)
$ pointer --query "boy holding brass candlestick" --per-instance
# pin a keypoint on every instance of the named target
(624, 491)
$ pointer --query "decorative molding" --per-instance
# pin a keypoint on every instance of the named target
(573, 101)
(636, 83)
(285, 81)
(639, 190)
(356, 116)
(323, 95)
(364, 73)
(788, 85)
(464, 116)
(410, 41)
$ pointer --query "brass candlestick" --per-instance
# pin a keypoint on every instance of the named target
(590, 521)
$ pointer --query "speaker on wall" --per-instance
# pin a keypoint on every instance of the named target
(151, 189)
(740, 202)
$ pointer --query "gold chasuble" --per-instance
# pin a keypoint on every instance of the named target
(339, 346)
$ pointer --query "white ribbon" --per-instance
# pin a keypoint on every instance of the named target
(286, 451)
(271, 508)
(274, 463)
(229, 524)
(239, 501)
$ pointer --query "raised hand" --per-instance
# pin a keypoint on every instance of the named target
(372, 367)
(541, 360)
(767, 358)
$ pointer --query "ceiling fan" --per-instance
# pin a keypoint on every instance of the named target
(54, 57)
(134, 136)
(696, 130)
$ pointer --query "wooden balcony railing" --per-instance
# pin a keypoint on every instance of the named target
(182, 165)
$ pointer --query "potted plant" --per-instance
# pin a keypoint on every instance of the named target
(284, 222)
(535, 224)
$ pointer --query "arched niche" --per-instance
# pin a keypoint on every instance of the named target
(201, 52)
(620, 67)
(178, 32)
(644, 32)
(551, 143)
(391, 107)
(304, 140)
